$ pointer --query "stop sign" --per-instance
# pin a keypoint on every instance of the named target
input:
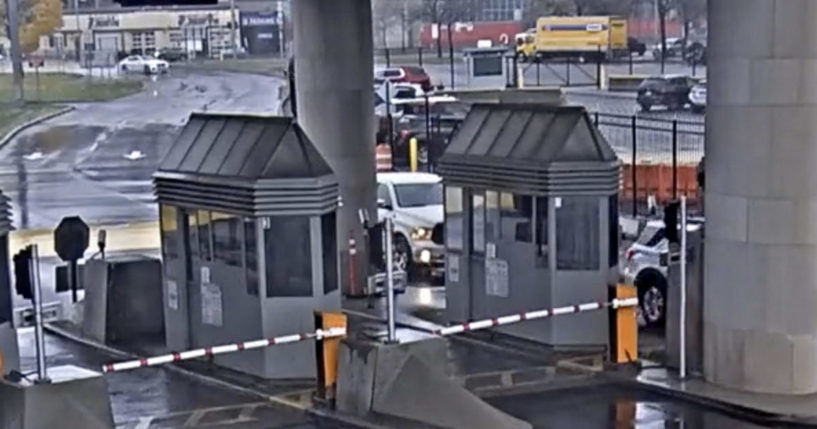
(71, 238)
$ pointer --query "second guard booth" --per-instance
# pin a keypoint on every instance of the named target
(531, 208)
(249, 241)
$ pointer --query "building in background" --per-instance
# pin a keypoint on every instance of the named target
(502, 10)
(105, 33)
(263, 26)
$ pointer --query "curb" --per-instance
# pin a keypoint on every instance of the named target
(600, 94)
(753, 415)
(279, 399)
(36, 121)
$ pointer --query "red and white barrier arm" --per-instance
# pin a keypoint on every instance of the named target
(228, 348)
(532, 315)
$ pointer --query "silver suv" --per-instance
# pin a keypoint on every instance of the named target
(645, 266)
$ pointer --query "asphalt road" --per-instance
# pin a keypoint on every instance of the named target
(97, 161)
(155, 398)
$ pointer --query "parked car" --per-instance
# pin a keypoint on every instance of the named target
(405, 74)
(143, 64)
(675, 45)
(697, 97)
(636, 46)
(671, 91)
(416, 202)
(695, 53)
(172, 55)
(646, 265)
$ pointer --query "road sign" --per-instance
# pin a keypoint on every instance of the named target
(71, 238)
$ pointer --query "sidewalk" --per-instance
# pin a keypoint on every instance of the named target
(765, 408)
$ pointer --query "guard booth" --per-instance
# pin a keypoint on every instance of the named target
(248, 222)
(9, 354)
(488, 67)
(531, 219)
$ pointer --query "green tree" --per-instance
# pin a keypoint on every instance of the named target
(35, 18)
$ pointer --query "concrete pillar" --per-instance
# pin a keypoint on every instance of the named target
(335, 100)
(760, 290)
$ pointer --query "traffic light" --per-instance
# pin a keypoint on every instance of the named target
(22, 274)
(136, 3)
(671, 221)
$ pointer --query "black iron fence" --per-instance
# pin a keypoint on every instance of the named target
(660, 157)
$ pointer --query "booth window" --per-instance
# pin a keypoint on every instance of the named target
(612, 223)
(251, 256)
(227, 238)
(329, 245)
(453, 218)
(288, 256)
(478, 223)
(205, 252)
(492, 216)
(383, 196)
(516, 216)
(170, 232)
(542, 248)
(577, 233)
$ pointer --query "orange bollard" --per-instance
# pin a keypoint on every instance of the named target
(623, 327)
(327, 354)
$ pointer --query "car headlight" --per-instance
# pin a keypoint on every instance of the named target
(421, 234)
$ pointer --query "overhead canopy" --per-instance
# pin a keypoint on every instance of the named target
(531, 148)
(254, 165)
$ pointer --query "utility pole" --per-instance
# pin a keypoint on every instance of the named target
(234, 29)
(78, 42)
(15, 52)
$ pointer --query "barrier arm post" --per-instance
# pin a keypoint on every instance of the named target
(327, 354)
(623, 325)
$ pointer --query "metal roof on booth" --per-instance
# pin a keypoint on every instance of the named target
(531, 148)
(246, 164)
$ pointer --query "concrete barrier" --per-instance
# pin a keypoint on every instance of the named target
(408, 381)
(619, 83)
(75, 399)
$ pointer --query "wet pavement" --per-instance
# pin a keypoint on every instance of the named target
(97, 161)
(155, 398)
(608, 406)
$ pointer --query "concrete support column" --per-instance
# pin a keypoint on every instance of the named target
(335, 100)
(760, 290)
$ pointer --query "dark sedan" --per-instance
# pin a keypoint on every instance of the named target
(670, 91)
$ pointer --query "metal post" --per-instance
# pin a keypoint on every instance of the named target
(567, 74)
(281, 43)
(633, 167)
(392, 337)
(73, 273)
(538, 81)
(388, 57)
(631, 63)
(15, 53)
(39, 338)
(596, 119)
(675, 159)
(451, 55)
(598, 69)
(683, 334)
(389, 116)
(428, 119)
(233, 35)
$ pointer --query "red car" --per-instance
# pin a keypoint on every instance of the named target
(407, 74)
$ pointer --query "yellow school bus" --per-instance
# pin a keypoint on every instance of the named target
(587, 37)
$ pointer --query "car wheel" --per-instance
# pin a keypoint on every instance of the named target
(652, 298)
(697, 109)
(147, 70)
(522, 58)
(124, 68)
(645, 107)
(402, 254)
